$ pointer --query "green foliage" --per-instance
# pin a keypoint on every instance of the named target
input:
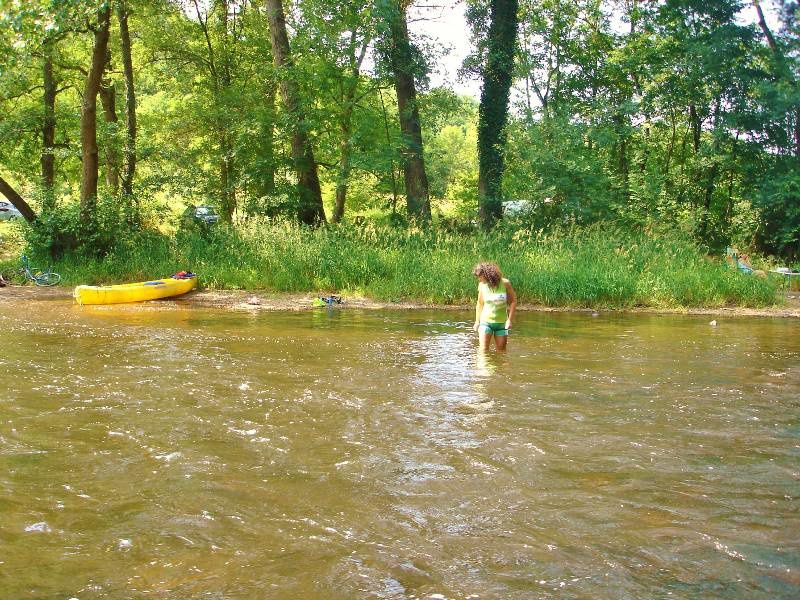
(685, 118)
(597, 266)
(451, 163)
(54, 234)
(12, 246)
(280, 204)
(779, 200)
(551, 166)
(62, 232)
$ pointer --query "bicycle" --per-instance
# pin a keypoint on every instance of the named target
(37, 276)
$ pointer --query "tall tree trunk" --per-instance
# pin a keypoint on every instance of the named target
(310, 210)
(227, 150)
(219, 66)
(345, 125)
(388, 144)
(129, 166)
(89, 152)
(108, 98)
(267, 171)
(48, 130)
(797, 133)
(762, 23)
(731, 173)
(344, 164)
(694, 122)
(17, 200)
(622, 166)
(708, 196)
(418, 202)
(493, 111)
(226, 175)
(713, 171)
(671, 146)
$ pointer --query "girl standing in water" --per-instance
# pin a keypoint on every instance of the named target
(495, 308)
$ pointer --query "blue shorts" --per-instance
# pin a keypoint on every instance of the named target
(498, 329)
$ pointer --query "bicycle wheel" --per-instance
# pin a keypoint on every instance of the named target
(45, 279)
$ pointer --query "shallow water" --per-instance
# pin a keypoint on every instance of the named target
(164, 451)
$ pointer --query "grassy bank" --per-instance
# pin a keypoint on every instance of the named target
(598, 267)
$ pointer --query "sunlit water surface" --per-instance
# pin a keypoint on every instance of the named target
(166, 451)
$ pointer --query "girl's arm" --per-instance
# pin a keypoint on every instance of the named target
(478, 310)
(511, 301)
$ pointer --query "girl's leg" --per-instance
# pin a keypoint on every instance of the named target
(485, 338)
(500, 342)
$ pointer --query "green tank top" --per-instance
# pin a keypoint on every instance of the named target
(494, 303)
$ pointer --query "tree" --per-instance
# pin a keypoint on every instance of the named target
(336, 39)
(18, 201)
(217, 21)
(89, 150)
(779, 193)
(493, 110)
(708, 72)
(404, 68)
(49, 86)
(129, 167)
(34, 47)
(108, 99)
(310, 211)
(547, 40)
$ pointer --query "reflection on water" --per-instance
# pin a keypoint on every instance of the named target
(159, 450)
(485, 366)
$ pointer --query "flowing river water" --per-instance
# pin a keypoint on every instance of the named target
(168, 451)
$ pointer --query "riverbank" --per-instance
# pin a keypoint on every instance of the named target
(599, 267)
(269, 301)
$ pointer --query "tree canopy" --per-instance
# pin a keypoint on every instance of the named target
(685, 113)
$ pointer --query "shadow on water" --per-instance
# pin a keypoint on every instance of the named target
(351, 454)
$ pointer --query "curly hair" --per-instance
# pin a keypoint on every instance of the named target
(489, 272)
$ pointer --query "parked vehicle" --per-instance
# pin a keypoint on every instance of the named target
(199, 215)
(516, 208)
(8, 211)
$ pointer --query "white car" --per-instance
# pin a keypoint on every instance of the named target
(514, 208)
(8, 211)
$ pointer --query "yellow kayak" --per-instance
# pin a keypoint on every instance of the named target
(134, 292)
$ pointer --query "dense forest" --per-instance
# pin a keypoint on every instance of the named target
(115, 115)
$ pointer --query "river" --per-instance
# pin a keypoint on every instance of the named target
(170, 451)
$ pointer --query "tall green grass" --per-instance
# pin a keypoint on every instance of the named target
(596, 267)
